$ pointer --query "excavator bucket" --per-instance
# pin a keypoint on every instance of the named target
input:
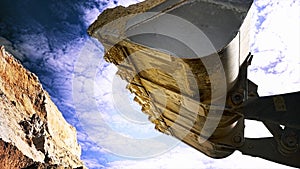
(183, 60)
(186, 62)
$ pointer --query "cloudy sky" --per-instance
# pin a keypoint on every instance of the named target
(50, 39)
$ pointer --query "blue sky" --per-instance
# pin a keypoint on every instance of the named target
(51, 41)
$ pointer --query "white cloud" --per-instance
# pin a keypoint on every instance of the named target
(256, 129)
(124, 3)
(90, 15)
(275, 67)
(185, 157)
(92, 163)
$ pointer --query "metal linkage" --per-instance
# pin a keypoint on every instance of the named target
(281, 116)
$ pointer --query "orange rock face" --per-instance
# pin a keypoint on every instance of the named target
(33, 131)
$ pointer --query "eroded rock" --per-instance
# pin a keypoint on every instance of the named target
(34, 133)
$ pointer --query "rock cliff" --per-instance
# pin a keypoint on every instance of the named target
(34, 133)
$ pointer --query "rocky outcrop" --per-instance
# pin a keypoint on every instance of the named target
(34, 133)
